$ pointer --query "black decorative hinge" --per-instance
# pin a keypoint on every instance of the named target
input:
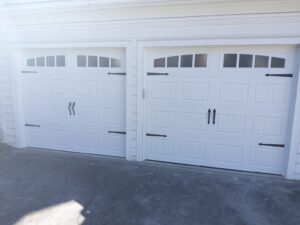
(121, 74)
(27, 71)
(279, 75)
(157, 74)
(272, 145)
(116, 132)
(156, 135)
(31, 125)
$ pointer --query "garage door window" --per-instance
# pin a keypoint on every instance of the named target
(47, 61)
(246, 61)
(98, 61)
(183, 61)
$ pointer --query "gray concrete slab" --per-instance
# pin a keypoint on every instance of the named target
(47, 187)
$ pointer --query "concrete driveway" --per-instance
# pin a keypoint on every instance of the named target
(46, 187)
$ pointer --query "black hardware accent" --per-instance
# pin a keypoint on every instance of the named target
(31, 125)
(214, 116)
(272, 145)
(156, 135)
(70, 104)
(73, 108)
(208, 121)
(116, 132)
(279, 75)
(25, 71)
(122, 74)
(157, 74)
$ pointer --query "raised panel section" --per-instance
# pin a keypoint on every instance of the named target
(267, 157)
(229, 154)
(231, 123)
(233, 93)
(160, 147)
(59, 138)
(86, 88)
(34, 87)
(162, 119)
(85, 140)
(87, 115)
(113, 116)
(163, 91)
(58, 113)
(36, 137)
(114, 143)
(192, 150)
(270, 126)
(34, 112)
(271, 94)
(57, 87)
(195, 91)
(113, 89)
(193, 121)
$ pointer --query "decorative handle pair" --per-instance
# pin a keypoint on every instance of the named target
(72, 108)
(214, 116)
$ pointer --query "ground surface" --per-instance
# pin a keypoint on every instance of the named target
(39, 187)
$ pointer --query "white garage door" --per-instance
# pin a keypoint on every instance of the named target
(75, 100)
(221, 107)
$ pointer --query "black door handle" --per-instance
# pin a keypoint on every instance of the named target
(214, 116)
(208, 119)
(73, 108)
(70, 104)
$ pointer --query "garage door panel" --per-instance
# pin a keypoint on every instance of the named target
(231, 123)
(271, 93)
(77, 103)
(250, 107)
(234, 92)
(268, 126)
(195, 91)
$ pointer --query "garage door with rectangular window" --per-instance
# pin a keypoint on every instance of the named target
(225, 107)
(74, 100)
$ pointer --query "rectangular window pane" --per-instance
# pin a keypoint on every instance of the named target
(172, 61)
(40, 61)
(92, 61)
(245, 61)
(104, 62)
(201, 60)
(261, 61)
(50, 61)
(81, 61)
(31, 62)
(186, 61)
(277, 62)
(60, 61)
(160, 62)
(230, 60)
(115, 62)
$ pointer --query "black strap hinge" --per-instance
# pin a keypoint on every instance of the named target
(157, 74)
(272, 145)
(31, 125)
(116, 132)
(156, 135)
(121, 74)
(279, 75)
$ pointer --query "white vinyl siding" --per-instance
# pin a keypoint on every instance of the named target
(7, 112)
